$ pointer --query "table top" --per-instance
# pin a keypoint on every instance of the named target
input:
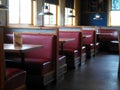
(66, 39)
(104, 33)
(24, 47)
(114, 42)
(87, 36)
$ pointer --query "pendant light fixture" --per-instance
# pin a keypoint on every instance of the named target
(97, 17)
(3, 7)
(70, 4)
(46, 11)
(71, 14)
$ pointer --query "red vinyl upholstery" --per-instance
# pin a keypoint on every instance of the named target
(112, 35)
(90, 42)
(75, 44)
(38, 62)
(72, 49)
(15, 78)
(10, 78)
(106, 37)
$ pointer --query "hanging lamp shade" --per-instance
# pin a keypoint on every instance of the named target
(70, 4)
(3, 7)
(46, 11)
(71, 14)
(98, 16)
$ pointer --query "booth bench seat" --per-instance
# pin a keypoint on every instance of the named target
(39, 63)
(72, 50)
(90, 42)
(15, 77)
(10, 78)
(108, 38)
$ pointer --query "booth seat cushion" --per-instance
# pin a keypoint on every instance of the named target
(90, 46)
(39, 66)
(83, 49)
(15, 78)
(11, 72)
(97, 45)
(32, 66)
(71, 52)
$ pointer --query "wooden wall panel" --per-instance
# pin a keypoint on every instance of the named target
(2, 66)
(3, 14)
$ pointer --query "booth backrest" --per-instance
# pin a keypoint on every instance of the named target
(71, 32)
(90, 40)
(74, 45)
(48, 40)
(89, 30)
(8, 38)
(111, 34)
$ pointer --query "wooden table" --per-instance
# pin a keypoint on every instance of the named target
(24, 48)
(64, 40)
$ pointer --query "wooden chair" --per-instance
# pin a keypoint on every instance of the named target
(10, 78)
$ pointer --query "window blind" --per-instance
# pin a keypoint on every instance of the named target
(56, 2)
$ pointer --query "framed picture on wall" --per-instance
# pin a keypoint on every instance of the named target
(115, 5)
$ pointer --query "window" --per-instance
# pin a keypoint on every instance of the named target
(115, 13)
(115, 5)
(115, 18)
(68, 20)
(20, 11)
(50, 19)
